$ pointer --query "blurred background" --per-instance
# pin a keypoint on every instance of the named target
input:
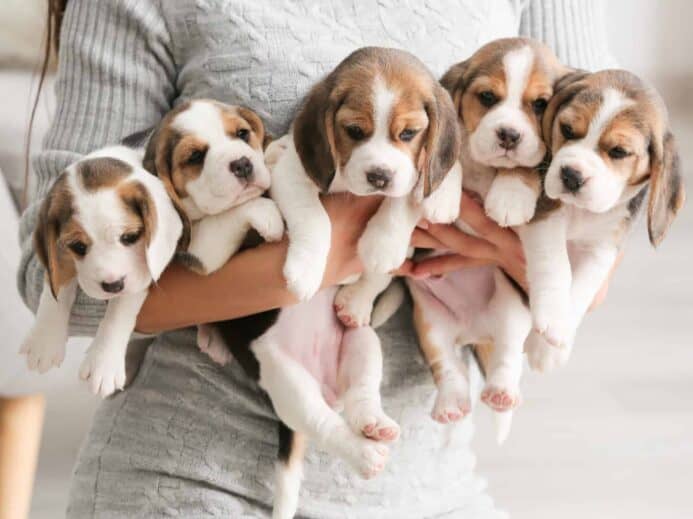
(609, 435)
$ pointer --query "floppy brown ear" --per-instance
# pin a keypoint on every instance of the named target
(56, 210)
(314, 135)
(455, 82)
(158, 160)
(442, 147)
(667, 193)
(564, 90)
(255, 123)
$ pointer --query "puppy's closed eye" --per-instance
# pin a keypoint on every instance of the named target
(130, 238)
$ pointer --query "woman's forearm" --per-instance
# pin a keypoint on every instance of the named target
(249, 283)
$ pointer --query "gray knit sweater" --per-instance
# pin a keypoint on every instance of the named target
(125, 63)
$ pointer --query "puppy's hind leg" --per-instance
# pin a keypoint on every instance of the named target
(354, 303)
(299, 403)
(512, 322)
(289, 473)
(360, 374)
(437, 339)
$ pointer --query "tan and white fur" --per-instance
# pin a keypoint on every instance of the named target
(500, 94)
(106, 226)
(609, 136)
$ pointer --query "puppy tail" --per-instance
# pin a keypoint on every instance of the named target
(289, 473)
(388, 303)
(502, 422)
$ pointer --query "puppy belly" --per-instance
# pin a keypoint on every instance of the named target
(311, 334)
(465, 296)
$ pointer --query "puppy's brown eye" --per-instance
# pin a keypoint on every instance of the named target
(487, 98)
(407, 134)
(130, 238)
(243, 134)
(567, 131)
(79, 248)
(539, 105)
(355, 132)
(617, 153)
(196, 157)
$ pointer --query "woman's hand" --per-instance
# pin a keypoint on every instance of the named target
(495, 245)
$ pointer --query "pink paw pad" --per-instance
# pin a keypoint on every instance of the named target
(500, 399)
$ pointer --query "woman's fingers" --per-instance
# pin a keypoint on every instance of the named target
(424, 240)
(462, 243)
(439, 265)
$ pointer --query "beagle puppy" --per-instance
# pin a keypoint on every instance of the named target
(609, 136)
(378, 124)
(109, 227)
(500, 94)
(304, 384)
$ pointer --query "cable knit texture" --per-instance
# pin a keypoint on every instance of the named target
(188, 439)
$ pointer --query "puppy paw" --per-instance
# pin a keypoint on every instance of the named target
(212, 344)
(275, 149)
(451, 405)
(382, 253)
(542, 356)
(550, 319)
(267, 220)
(44, 349)
(510, 201)
(373, 423)
(368, 457)
(500, 398)
(352, 306)
(103, 368)
(303, 272)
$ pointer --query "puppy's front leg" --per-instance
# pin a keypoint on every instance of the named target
(384, 244)
(512, 197)
(548, 275)
(104, 363)
(44, 347)
(216, 238)
(354, 303)
(307, 222)
(443, 204)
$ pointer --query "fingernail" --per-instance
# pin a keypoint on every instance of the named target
(423, 224)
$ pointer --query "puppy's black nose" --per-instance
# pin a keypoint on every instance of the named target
(113, 287)
(508, 138)
(572, 179)
(378, 177)
(242, 167)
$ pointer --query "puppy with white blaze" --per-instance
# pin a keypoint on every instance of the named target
(379, 124)
(109, 227)
(610, 139)
(500, 94)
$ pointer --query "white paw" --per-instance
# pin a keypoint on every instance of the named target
(452, 404)
(103, 368)
(270, 224)
(353, 306)
(303, 271)
(510, 201)
(500, 398)
(212, 344)
(275, 149)
(367, 457)
(367, 417)
(444, 208)
(550, 318)
(44, 349)
(542, 356)
(381, 253)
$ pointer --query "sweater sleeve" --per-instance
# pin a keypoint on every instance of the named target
(574, 29)
(116, 75)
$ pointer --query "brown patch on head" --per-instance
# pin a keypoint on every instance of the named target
(478, 84)
(639, 133)
(140, 210)
(55, 227)
(101, 173)
(338, 115)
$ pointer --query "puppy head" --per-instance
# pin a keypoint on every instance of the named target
(609, 136)
(108, 223)
(209, 155)
(380, 123)
(500, 94)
